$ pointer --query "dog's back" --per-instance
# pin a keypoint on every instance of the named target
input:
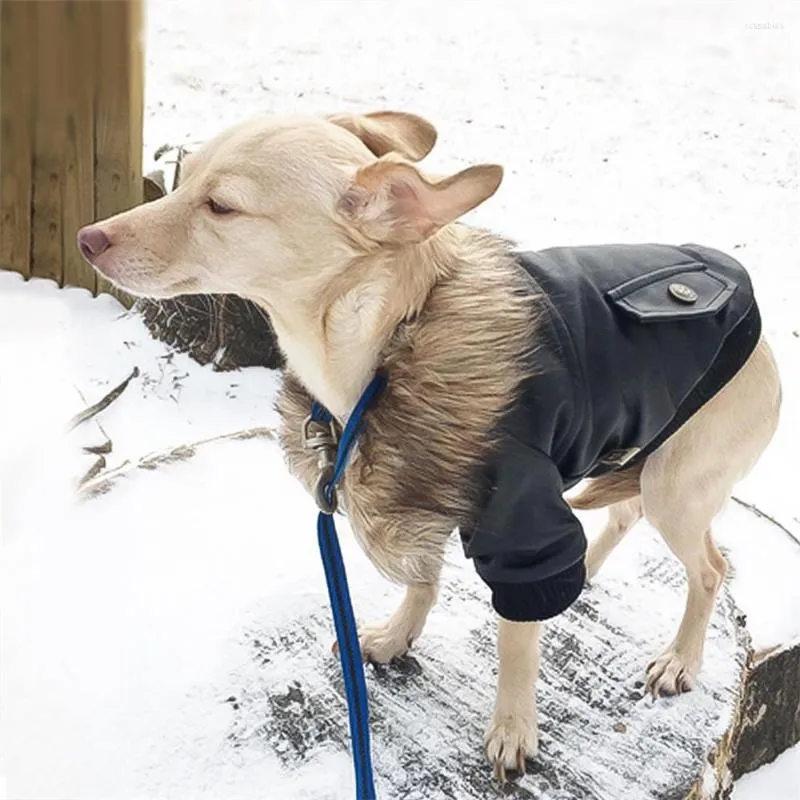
(636, 338)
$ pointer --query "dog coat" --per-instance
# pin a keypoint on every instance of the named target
(630, 342)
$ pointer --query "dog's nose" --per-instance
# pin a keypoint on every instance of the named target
(92, 241)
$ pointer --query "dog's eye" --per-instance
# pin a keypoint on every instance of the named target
(217, 208)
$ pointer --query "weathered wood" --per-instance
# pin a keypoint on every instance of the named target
(48, 156)
(119, 113)
(17, 67)
(770, 719)
(80, 31)
(71, 109)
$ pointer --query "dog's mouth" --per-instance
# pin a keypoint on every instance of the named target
(132, 274)
(128, 276)
(141, 286)
(139, 280)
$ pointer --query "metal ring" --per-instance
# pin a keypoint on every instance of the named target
(323, 435)
(323, 490)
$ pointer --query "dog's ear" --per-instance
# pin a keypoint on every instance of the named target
(390, 132)
(390, 201)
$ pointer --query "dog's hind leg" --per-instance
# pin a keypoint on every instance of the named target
(513, 733)
(676, 668)
(686, 482)
(621, 518)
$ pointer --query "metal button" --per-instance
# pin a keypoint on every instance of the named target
(683, 293)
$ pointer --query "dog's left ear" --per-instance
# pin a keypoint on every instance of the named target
(390, 201)
(390, 132)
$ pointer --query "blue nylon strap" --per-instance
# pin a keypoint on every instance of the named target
(339, 594)
(350, 655)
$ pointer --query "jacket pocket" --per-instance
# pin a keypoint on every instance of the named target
(681, 291)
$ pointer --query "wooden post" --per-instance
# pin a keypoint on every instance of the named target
(17, 32)
(51, 54)
(119, 114)
(71, 115)
(79, 155)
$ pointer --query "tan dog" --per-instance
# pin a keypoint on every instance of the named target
(361, 264)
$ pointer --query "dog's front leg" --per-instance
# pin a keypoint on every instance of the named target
(407, 549)
(384, 641)
(513, 733)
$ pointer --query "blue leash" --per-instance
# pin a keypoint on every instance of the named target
(319, 434)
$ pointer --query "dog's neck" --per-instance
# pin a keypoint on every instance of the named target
(453, 373)
(333, 342)
(334, 365)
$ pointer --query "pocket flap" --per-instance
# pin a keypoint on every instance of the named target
(683, 291)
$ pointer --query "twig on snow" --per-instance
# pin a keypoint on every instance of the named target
(759, 513)
(100, 482)
(93, 471)
(100, 449)
(103, 403)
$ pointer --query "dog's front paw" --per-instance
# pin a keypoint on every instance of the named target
(381, 642)
(510, 739)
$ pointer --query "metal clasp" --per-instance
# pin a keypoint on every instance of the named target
(619, 458)
(321, 437)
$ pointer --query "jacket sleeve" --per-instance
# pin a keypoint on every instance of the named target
(526, 543)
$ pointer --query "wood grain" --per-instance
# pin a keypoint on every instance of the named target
(17, 73)
(79, 79)
(119, 113)
(71, 114)
(48, 156)
(601, 737)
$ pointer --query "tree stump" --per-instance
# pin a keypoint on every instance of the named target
(765, 560)
(601, 737)
(770, 716)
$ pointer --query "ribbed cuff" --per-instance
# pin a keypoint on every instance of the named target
(533, 602)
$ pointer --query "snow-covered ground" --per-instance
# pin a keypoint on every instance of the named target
(617, 121)
(779, 780)
(628, 120)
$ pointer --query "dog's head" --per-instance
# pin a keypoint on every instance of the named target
(271, 208)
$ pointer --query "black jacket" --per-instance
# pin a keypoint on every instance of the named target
(633, 339)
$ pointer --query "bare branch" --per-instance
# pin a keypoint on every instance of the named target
(103, 403)
(98, 483)
(759, 513)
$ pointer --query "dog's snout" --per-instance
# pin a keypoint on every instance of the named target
(93, 241)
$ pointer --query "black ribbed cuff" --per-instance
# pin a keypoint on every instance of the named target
(533, 602)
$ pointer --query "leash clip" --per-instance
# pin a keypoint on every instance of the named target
(325, 493)
(321, 437)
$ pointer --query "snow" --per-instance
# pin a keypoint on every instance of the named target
(123, 594)
(779, 780)
(131, 618)
(629, 120)
(766, 563)
(123, 616)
